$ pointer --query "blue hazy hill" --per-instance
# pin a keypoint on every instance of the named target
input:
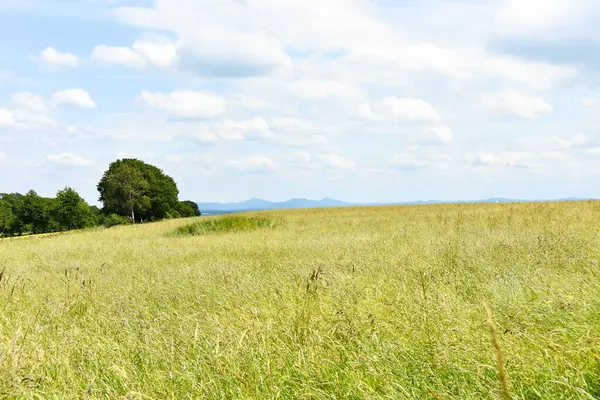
(260, 204)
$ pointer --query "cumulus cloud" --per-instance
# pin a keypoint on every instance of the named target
(294, 132)
(226, 39)
(158, 52)
(515, 103)
(337, 161)
(50, 58)
(144, 53)
(517, 159)
(185, 103)
(436, 135)
(73, 97)
(28, 111)
(253, 129)
(400, 109)
(30, 102)
(254, 164)
(68, 159)
(124, 56)
(515, 17)
(7, 118)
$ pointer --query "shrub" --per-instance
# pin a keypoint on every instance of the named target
(229, 223)
(114, 220)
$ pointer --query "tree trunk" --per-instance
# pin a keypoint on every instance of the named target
(132, 216)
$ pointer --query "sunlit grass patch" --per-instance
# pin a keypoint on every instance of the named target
(224, 224)
(362, 303)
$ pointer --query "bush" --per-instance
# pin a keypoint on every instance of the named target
(230, 223)
(115, 220)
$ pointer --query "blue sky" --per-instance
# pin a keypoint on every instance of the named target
(361, 100)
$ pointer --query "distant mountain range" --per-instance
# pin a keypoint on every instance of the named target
(260, 204)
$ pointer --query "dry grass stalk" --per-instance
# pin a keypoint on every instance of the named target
(502, 377)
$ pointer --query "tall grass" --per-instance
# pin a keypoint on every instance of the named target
(224, 224)
(360, 303)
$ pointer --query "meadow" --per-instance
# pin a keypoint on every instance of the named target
(349, 303)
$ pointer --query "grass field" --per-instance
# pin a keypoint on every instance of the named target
(357, 303)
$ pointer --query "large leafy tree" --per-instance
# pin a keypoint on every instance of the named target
(10, 223)
(6, 217)
(142, 191)
(34, 210)
(123, 190)
(71, 210)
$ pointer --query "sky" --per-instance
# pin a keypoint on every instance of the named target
(359, 100)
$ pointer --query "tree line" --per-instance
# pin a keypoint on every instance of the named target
(131, 191)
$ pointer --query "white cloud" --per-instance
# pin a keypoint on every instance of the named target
(253, 129)
(400, 109)
(30, 102)
(214, 39)
(29, 111)
(118, 55)
(205, 135)
(538, 75)
(515, 17)
(193, 165)
(68, 159)
(303, 157)
(436, 135)
(577, 141)
(251, 38)
(151, 51)
(337, 161)
(74, 97)
(518, 159)
(158, 52)
(185, 103)
(254, 164)
(3, 156)
(7, 118)
(278, 130)
(252, 103)
(515, 103)
(50, 58)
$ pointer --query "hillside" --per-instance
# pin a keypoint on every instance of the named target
(382, 302)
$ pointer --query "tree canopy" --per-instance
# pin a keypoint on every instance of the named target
(72, 211)
(188, 209)
(34, 211)
(142, 191)
(130, 191)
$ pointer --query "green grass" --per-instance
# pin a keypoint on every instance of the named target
(228, 223)
(360, 303)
